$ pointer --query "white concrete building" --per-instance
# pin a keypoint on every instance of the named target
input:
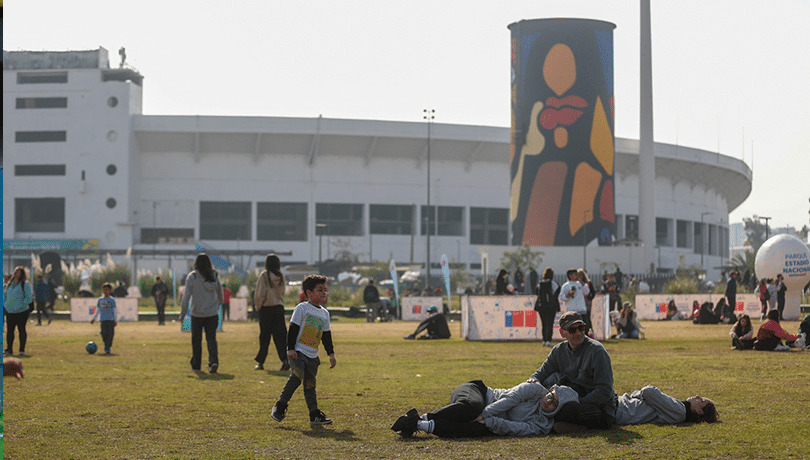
(84, 165)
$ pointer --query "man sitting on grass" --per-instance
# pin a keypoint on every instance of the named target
(583, 364)
(435, 324)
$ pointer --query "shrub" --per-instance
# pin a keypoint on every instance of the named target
(71, 282)
(112, 274)
(682, 285)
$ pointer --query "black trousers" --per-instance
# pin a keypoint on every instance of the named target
(41, 308)
(455, 420)
(547, 323)
(209, 325)
(272, 325)
(161, 310)
(768, 344)
(590, 415)
(16, 321)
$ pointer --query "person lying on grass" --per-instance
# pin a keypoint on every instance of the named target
(476, 410)
(651, 405)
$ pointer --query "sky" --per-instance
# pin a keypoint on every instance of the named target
(728, 76)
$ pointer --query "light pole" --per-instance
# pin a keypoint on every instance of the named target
(429, 117)
(319, 228)
(702, 240)
(371, 221)
(766, 225)
(585, 239)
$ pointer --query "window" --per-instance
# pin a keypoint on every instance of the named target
(225, 220)
(51, 77)
(449, 222)
(698, 238)
(387, 219)
(712, 240)
(281, 221)
(41, 102)
(39, 214)
(167, 235)
(489, 226)
(631, 227)
(663, 233)
(682, 229)
(40, 136)
(39, 170)
(340, 219)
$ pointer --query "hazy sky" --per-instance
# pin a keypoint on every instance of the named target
(732, 74)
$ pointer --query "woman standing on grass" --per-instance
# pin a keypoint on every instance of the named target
(17, 298)
(204, 287)
(269, 301)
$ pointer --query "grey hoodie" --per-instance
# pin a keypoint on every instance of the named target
(516, 411)
(649, 405)
(207, 296)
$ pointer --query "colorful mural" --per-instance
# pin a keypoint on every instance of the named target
(562, 132)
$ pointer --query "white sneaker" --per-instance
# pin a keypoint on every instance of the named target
(781, 348)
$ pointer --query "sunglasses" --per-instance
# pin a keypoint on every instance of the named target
(573, 329)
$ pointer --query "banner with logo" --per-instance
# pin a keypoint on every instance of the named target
(446, 276)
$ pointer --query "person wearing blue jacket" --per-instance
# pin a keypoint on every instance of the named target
(43, 294)
(105, 307)
(17, 298)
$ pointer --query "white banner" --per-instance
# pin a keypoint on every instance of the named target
(654, 306)
(415, 308)
(83, 309)
(514, 318)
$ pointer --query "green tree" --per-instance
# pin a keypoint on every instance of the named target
(378, 271)
(755, 232)
(523, 257)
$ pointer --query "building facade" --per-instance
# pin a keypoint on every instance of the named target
(84, 164)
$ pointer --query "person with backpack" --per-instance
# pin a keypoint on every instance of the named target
(547, 304)
(18, 298)
(371, 296)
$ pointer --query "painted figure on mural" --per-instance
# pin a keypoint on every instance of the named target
(562, 132)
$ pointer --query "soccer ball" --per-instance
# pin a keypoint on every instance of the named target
(91, 347)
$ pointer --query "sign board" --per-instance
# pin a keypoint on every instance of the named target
(415, 308)
(514, 318)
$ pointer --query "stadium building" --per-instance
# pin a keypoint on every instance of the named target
(88, 173)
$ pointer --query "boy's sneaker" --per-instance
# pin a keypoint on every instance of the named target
(318, 418)
(279, 411)
(212, 369)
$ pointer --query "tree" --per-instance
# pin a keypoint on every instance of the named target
(755, 231)
(524, 258)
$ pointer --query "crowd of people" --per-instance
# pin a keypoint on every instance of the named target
(571, 391)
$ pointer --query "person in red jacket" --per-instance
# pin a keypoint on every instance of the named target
(770, 333)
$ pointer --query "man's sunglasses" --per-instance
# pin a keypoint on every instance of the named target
(580, 328)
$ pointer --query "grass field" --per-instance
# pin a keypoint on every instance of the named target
(144, 402)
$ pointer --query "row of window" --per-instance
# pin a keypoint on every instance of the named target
(232, 221)
(700, 236)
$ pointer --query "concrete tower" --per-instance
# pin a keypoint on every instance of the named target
(646, 157)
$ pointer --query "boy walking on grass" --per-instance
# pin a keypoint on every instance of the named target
(106, 308)
(309, 326)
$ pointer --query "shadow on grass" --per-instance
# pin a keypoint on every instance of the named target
(621, 436)
(323, 432)
(200, 375)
